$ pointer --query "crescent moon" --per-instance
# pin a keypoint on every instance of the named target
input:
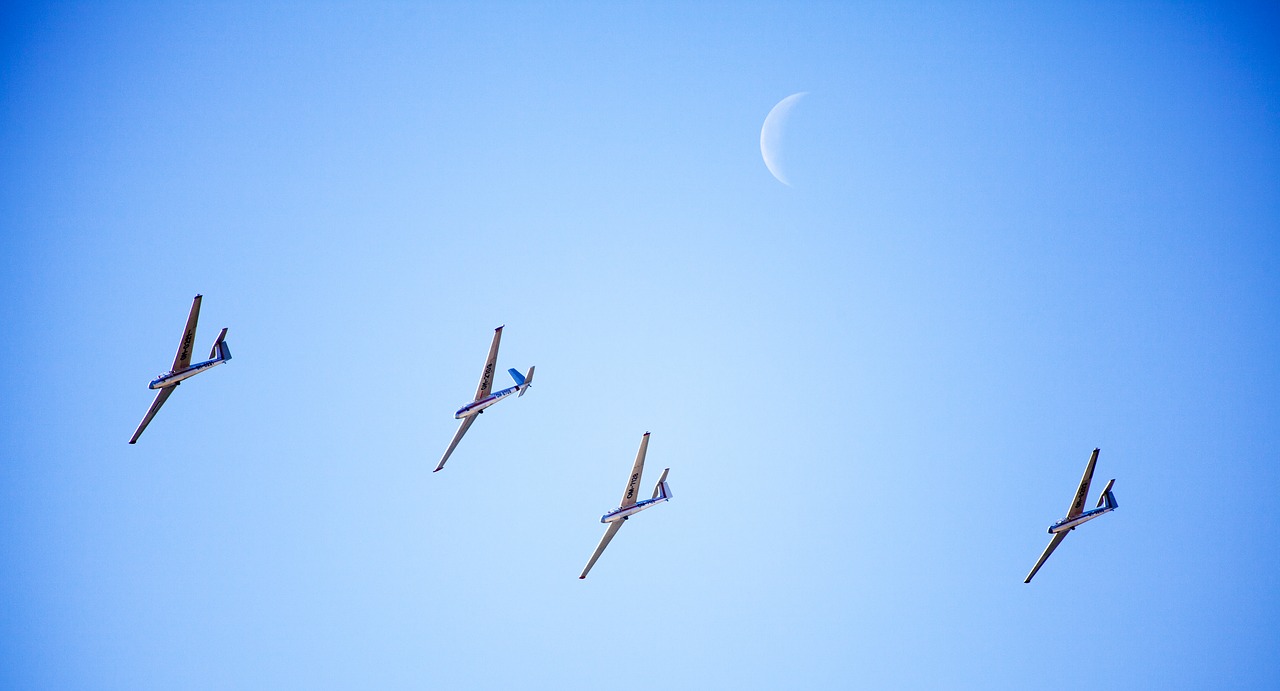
(771, 135)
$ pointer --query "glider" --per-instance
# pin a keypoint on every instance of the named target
(182, 367)
(1076, 515)
(615, 518)
(484, 398)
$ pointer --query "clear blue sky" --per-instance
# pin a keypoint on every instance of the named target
(1017, 232)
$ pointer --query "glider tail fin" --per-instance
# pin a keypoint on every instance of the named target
(1108, 498)
(516, 376)
(220, 349)
(662, 489)
(523, 381)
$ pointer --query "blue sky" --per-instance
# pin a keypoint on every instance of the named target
(1016, 233)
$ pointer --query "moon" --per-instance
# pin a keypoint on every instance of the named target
(771, 135)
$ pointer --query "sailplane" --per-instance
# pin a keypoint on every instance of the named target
(1076, 515)
(182, 368)
(485, 396)
(629, 506)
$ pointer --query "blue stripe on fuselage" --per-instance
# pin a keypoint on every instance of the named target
(491, 398)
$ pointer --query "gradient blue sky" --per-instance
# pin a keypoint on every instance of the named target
(1018, 231)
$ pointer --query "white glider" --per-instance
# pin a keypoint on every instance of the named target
(182, 367)
(484, 398)
(1076, 515)
(615, 518)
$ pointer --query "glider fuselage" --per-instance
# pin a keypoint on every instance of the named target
(623, 513)
(477, 407)
(1069, 523)
(174, 378)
